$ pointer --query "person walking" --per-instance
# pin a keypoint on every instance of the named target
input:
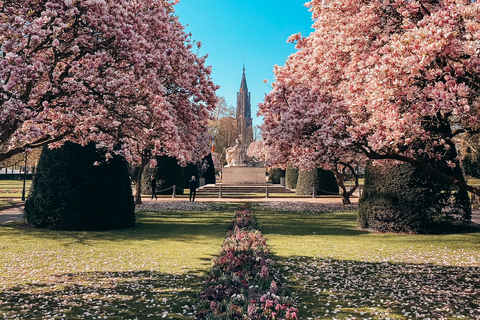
(153, 185)
(193, 188)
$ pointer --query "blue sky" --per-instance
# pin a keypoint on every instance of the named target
(238, 32)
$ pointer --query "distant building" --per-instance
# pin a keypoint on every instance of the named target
(244, 113)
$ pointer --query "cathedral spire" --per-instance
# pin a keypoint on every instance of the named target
(244, 113)
(243, 85)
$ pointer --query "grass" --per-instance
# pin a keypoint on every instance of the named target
(156, 269)
(13, 188)
(343, 273)
(7, 203)
(151, 271)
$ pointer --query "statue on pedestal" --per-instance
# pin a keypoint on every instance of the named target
(234, 155)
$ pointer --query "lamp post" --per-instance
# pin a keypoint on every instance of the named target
(24, 176)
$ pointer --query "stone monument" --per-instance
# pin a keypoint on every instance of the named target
(240, 169)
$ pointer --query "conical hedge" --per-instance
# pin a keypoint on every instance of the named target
(323, 180)
(69, 192)
(291, 177)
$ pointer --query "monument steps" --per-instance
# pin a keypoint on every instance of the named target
(239, 189)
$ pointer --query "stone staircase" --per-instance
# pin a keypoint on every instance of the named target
(242, 189)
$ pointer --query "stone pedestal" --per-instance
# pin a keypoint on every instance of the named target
(243, 175)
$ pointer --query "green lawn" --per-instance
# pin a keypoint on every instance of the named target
(339, 272)
(156, 269)
(13, 188)
(151, 271)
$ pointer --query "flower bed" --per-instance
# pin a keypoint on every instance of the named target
(242, 283)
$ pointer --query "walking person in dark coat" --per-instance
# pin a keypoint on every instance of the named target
(153, 185)
(193, 188)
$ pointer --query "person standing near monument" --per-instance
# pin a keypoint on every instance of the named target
(153, 185)
(193, 188)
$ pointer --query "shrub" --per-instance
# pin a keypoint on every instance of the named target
(291, 177)
(401, 198)
(188, 171)
(193, 169)
(69, 192)
(323, 180)
(274, 175)
(209, 174)
(169, 174)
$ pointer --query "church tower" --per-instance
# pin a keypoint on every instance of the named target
(244, 113)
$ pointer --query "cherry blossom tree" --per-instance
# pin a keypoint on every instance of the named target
(390, 79)
(121, 73)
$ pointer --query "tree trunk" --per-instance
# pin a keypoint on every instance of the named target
(138, 185)
(136, 174)
(340, 175)
(345, 196)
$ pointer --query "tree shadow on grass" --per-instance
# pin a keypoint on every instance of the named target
(342, 289)
(112, 295)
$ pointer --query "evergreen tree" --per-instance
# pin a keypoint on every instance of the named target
(69, 192)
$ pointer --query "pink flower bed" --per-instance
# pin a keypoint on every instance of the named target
(242, 282)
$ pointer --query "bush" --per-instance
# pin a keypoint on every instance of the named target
(147, 174)
(274, 175)
(291, 177)
(169, 174)
(209, 174)
(323, 180)
(401, 198)
(69, 192)
(190, 170)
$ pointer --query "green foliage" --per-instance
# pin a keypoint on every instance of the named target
(209, 174)
(402, 198)
(274, 175)
(470, 150)
(169, 174)
(291, 177)
(471, 165)
(147, 173)
(190, 170)
(323, 180)
(69, 192)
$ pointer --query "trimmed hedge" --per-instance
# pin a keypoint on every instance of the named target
(209, 175)
(402, 198)
(169, 173)
(69, 192)
(274, 175)
(324, 182)
(291, 177)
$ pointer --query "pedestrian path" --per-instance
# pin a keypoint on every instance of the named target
(11, 214)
